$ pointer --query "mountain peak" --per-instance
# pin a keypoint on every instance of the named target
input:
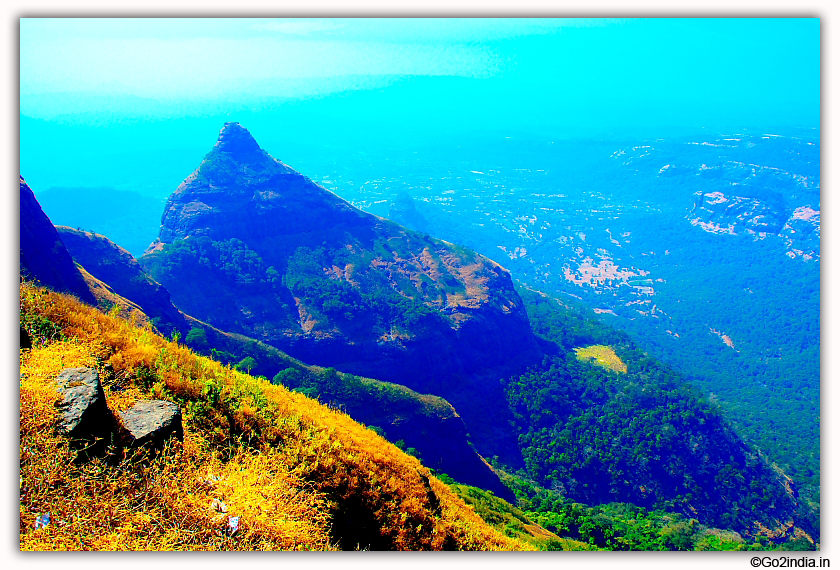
(235, 139)
(240, 191)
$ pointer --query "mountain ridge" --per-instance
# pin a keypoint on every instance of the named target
(295, 474)
(332, 285)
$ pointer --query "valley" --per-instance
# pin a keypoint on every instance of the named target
(706, 248)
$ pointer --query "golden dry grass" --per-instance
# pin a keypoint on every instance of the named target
(603, 356)
(300, 475)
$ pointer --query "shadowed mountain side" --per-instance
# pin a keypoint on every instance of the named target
(111, 302)
(43, 255)
(424, 422)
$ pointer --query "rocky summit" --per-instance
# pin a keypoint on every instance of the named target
(251, 246)
(240, 191)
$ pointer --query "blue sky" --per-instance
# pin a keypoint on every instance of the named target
(520, 71)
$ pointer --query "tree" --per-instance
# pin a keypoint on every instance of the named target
(197, 338)
(246, 364)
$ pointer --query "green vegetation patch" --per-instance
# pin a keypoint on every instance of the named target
(383, 308)
(510, 520)
(613, 526)
(603, 356)
(599, 437)
(328, 385)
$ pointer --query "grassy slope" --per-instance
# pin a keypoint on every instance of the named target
(300, 475)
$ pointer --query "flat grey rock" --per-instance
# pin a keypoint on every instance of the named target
(152, 422)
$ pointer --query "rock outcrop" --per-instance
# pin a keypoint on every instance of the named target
(87, 421)
(726, 213)
(42, 253)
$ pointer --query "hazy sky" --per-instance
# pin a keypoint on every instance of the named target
(205, 57)
(654, 71)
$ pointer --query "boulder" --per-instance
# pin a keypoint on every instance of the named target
(151, 422)
(84, 413)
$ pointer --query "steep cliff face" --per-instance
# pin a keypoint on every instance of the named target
(252, 246)
(115, 266)
(42, 253)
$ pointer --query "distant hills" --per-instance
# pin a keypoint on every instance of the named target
(129, 218)
(638, 230)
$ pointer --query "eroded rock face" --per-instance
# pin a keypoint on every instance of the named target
(720, 213)
(716, 212)
(151, 423)
(84, 412)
